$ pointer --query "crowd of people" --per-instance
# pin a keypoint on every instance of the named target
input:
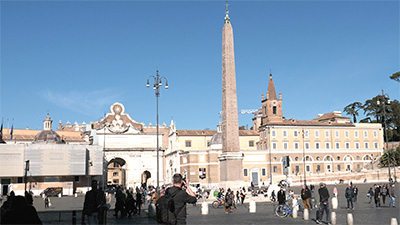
(19, 210)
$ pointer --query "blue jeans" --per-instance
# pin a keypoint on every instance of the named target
(392, 202)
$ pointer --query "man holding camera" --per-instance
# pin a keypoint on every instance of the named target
(182, 194)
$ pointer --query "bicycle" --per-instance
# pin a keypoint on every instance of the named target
(285, 210)
(218, 203)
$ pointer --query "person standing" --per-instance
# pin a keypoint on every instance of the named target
(139, 201)
(182, 194)
(281, 196)
(242, 194)
(370, 194)
(94, 200)
(349, 194)
(305, 196)
(46, 202)
(323, 203)
(392, 194)
(228, 201)
(355, 193)
(377, 196)
(384, 192)
(335, 191)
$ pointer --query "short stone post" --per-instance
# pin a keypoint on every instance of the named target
(75, 195)
(43, 195)
(294, 213)
(204, 208)
(333, 218)
(306, 214)
(350, 220)
(393, 221)
(59, 195)
(252, 206)
(334, 203)
(152, 210)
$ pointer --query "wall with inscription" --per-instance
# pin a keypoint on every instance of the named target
(12, 160)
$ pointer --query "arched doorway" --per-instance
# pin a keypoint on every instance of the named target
(116, 174)
(146, 175)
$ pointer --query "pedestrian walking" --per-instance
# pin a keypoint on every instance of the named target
(323, 204)
(139, 201)
(281, 196)
(370, 194)
(95, 199)
(273, 196)
(229, 198)
(46, 202)
(349, 194)
(355, 188)
(393, 196)
(384, 193)
(242, 194)
(377, 196)
(305, 196)
(120, 203)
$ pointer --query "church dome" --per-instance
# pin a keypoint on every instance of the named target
(216, 139)
(48, 136)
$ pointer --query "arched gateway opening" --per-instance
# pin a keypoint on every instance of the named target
(116, 174)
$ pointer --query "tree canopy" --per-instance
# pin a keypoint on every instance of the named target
(396, 76)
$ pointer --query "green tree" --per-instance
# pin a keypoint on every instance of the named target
(394, 155)
(374, 108)
(396, 76)
(353, 109)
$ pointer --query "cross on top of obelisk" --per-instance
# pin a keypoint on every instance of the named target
(227, 19)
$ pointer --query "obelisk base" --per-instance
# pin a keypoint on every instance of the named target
(231, 170)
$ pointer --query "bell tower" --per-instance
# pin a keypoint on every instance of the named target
(272, 105)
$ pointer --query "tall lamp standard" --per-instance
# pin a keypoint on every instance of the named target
(157, 84)
(384, 102)
(304, 159)
(394, 159)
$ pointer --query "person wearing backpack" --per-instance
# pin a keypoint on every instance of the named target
(229, 198)
(171, 207)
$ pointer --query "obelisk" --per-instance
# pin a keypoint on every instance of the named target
(231, 174)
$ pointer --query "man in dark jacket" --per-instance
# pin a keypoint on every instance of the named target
(377, 196)
(349, 194)
(182, 194)
(305, 196)
(93, 205)
(281, 196)
(324, 203)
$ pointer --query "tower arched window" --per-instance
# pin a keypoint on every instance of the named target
(274, 110)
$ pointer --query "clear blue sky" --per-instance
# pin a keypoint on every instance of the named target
(74, 59)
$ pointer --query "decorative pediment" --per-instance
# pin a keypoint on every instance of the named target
(117, 121)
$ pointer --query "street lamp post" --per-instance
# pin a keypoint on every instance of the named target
(304, 160)
(385, 130)
(395, 162)
(269, 147)
(157, 84)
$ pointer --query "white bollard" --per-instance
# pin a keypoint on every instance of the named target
(76, 195)
(204, 208)
(152, 210)
(294, 213)
(252, 206)
(59, 195)
(333, 218)
(334, 203)
(350, 220)
(306, 214)
(43, 195)
(393, 221)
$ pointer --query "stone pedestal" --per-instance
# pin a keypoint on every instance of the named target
(231, 170)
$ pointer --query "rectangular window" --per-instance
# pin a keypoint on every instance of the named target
(366, 145)
(245, 172)
(346, 134)
(115, 174)
(285, 145)
(76, 179)
(258, 146)
(307, 145)
(262, 146)
(251, 143)
(273, 133)
(317, 134)
(375, 134)
(338, 167)
(261, 135)
(275, 169)
(263, 172)
(337, 145)
(327, 145)
(265, 134)
(308, 168)
(274, 110)
(357, 145)
(316, 145)
(347, 145)
(284, 133)
(274, 145)
(188, 144)
(376, 145)
(295, 133)
(337, 134)
(306, 133)
(266, 147)
(327, 133)
(297, 169)
(20, 180)
(296, 145)
(318, 168)
(365, 133)
(356, 134)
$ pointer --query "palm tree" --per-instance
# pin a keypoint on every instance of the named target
(396, 76)
(352, 109)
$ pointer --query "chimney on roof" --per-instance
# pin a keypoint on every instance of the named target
(320, 114)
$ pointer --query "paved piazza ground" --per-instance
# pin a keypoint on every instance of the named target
(364, 212)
